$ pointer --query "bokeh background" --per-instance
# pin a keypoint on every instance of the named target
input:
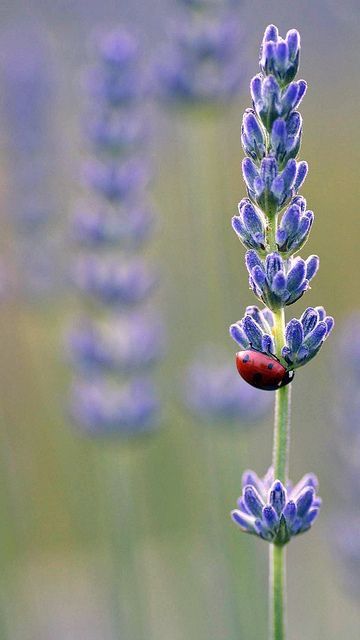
(114, 537)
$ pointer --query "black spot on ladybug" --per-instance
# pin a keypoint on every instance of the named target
(246, 358)
(257, 378)
(270, 366)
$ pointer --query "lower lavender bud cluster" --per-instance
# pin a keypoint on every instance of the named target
(303, 338)
(275, 512)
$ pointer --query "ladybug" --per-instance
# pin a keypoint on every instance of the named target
(262, 371)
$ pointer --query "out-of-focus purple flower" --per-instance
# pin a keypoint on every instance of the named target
(115, 132)
(116, 79)
(346, 409)
(201, 64)
(111, 345)
(101, 407)
(121, 344)
(111, 281)
(346, 541)
(126, 227)
(273, 512)
(215, 395)
(116, 181)
(27, 96)
(27, 88)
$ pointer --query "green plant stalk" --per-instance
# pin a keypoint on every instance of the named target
(277, 583)
(277, 559)
(277, 566)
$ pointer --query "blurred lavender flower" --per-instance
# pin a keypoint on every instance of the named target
(110, 346)
(100, 408)
(200, 65)
(346, 408)
(127, 227)
(121, 345)
(27, 97)
(114, 282)
(273, 512)
(214, 394)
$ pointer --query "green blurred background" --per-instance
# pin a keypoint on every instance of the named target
(117, 539)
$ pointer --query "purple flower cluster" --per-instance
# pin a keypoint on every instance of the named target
(273, 512)
(215, 395)
(273, 222)
(346, 406)
(27, 99)
(114, 346)
(200, 64)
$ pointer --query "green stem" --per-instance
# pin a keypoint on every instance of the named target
(277, 579)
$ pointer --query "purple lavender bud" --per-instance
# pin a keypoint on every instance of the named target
(279, 57)
(278, 497)
(253, 501)
(312, 266)
(252, 136)
(101, 409)
(263, 318)
(249, 225)
(315, 331)
(286, 138)
(301, 173)
(294, 335)
(253, 331)
(243, 520)
(270, 518)
(267, 344)
(287, 512)
(294, 228)
(309, 319)
(239, 335)
(304, 501)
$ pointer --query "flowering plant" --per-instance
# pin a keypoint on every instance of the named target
(274, 224)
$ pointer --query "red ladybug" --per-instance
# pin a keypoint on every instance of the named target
(262, 371)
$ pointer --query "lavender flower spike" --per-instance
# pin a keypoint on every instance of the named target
(270, 349)
(118, 334)
(199, 65)
(275, 512)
